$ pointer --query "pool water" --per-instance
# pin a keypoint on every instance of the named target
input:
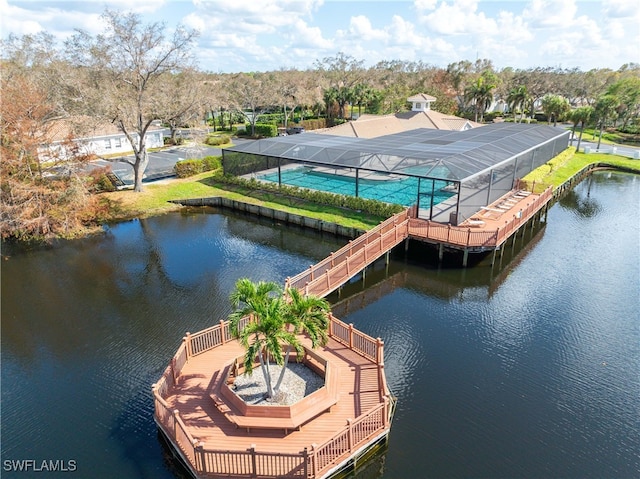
(394, 190)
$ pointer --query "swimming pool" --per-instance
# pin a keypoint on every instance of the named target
(398, 190)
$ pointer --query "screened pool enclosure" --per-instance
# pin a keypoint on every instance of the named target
(449, 175)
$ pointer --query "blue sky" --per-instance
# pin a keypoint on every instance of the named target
(261, 35)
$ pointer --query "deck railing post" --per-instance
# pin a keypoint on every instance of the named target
(379, 352)
(187, 340)
(173, 370)
(199, 460)
(331, 325)
(314, 460)
(350, 335)
(385, 411)
(311, 273)
(305, 456)
(254, 464)
(175, 415)
(222, 332)
(350, 434)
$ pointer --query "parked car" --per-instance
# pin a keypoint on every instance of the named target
(295, 130)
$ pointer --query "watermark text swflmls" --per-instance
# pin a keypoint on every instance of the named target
(34, 465)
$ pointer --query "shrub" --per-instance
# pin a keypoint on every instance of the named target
(266, 130)
(99, 180)
(175, 141)
(372, 207)
(193, 166)
(212, 163)
(186, 168)
(273, 118)
(215, 140)
(314, 123)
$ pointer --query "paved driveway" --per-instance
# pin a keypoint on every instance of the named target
(161, 163)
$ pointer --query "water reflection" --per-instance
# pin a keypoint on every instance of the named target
(527, 368)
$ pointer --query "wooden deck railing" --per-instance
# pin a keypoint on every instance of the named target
(330, 273)
(468, 237)
(363, 344)
(349, 439)
(306, 464)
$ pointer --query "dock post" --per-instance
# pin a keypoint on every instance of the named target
(440, 252)
(465, 257)
(493, 257)
(406, 245)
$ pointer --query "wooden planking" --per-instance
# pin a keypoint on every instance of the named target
(358, 391)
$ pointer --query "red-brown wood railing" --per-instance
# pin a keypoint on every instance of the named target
(468, 237)
(262, 464)
(333, 271)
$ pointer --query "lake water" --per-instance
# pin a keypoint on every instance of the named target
(529, 369)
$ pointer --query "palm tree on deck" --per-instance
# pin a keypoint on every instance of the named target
(308, 314)
(264, 335)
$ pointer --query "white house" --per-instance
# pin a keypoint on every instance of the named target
(103, 139)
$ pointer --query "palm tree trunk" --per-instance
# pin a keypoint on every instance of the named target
(266, 373)
(580, 138)
(284, 368)
(600, 136)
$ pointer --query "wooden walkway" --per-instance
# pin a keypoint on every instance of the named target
(209, 434)
(485, 231)
(329, 274)
(212, 446)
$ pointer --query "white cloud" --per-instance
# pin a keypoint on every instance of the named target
(512, 29)
(621, 8)
(305, 36)
(457, 17)
(550, 13)
(360, 27)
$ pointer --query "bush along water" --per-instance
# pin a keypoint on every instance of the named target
(372, 207)
(194, 166)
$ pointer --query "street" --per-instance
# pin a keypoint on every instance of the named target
(161, 163)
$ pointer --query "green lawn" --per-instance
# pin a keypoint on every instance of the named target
(155, 198)
(559, 170)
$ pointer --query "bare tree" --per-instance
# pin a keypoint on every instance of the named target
(123, 68)
(183, 101)
(250, 94)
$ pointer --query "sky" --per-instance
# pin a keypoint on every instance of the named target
(266, 35)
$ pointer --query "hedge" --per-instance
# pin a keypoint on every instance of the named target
(372, 207)
(193, 166)
(215, 140)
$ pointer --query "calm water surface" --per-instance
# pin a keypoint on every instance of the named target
(530, 369)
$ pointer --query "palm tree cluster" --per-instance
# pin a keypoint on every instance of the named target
(277, 318)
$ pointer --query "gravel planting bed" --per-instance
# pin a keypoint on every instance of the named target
(299, 381)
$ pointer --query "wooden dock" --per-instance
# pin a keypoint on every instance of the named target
(212, 446)
(216, 435)
(488, 230)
